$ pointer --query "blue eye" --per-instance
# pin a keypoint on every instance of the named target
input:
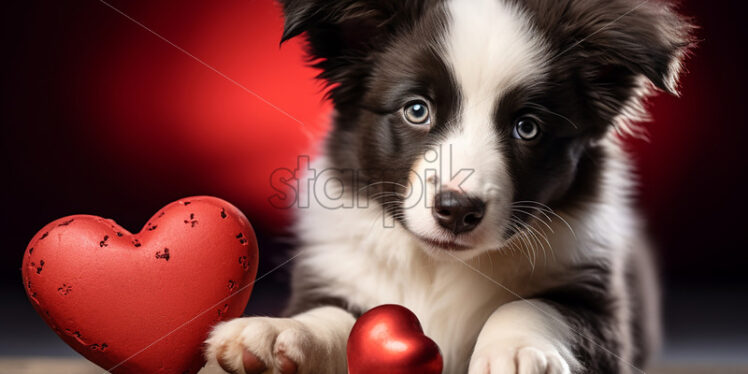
(417, 113)
(526, 128)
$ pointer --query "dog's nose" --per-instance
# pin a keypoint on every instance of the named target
(457, 211)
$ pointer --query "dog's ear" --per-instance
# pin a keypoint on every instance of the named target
(338, 27)
(331, 17)
(341, 34)
(641, 37)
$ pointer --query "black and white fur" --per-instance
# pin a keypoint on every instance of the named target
(556, 277)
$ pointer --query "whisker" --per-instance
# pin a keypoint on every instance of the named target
(385, 194)
(534, 237)
(522, 238)
(548, 210)
(544, 109)
(386, 203)
(533, 229)
(380, 183)
(536, 217)
(529, 240)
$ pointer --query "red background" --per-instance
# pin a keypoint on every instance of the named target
(101, 116)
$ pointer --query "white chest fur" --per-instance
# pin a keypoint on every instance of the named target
(361, 256)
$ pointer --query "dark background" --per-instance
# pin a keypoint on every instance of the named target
(100, 116)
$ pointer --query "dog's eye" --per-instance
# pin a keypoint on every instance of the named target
(526, 128)
(417, 113)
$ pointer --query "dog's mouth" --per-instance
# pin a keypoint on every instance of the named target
(450, 245)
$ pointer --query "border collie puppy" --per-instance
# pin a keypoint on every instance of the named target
(475, 175)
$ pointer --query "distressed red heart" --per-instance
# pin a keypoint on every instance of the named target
(143, 303)
(389, 339)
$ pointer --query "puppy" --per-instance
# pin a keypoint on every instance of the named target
(475, 175)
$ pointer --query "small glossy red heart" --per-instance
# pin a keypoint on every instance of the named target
(389, 339)
(143, 303)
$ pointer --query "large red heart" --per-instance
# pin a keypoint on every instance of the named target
(143, 303)
(389, 339)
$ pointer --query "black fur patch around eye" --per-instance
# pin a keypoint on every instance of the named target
(371, 136)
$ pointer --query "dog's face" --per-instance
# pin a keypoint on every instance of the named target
(466, 118)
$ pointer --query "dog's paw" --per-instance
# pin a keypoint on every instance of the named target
(268, 345)
(524, 360)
